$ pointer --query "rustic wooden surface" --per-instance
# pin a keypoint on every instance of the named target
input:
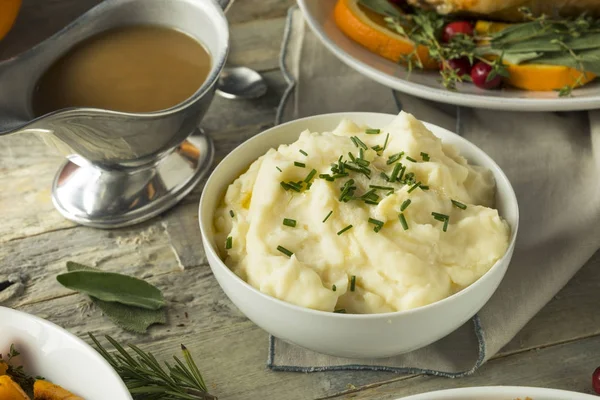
(559, 348)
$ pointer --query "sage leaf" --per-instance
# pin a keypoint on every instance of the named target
(589, 59)
(382, 7)
(114, 287)
(133, 319)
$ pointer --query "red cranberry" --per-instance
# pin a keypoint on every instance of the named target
(480, 73)
(454, 28)
(596, 380)
(462, 66)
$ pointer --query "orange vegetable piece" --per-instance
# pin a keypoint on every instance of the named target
(538, 77)
(9, 9)
(44, 390)
(3, 368)
(370, 30)
(10, 390)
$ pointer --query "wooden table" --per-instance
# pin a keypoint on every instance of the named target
(559, 348)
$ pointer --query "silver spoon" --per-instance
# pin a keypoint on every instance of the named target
(241, 83)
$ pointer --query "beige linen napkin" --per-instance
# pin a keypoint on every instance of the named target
(551, 159)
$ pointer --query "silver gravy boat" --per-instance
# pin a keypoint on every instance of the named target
(121, 168)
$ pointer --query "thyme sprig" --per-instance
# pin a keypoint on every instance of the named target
(571, 42)
(147, 379)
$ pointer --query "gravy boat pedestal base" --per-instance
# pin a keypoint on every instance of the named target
(108, 198)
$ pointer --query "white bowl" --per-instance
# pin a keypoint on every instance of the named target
(350, 335)
(501, 393)
(49, 351)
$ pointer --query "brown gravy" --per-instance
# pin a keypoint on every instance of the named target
(130, 69)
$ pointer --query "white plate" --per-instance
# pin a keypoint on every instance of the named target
(501, 393)
(319, 16)
(49, 351)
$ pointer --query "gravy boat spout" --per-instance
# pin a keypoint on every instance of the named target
(124, 167)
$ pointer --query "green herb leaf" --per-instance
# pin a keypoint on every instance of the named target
(344, 230)
(285, 251)
(353, 283)
(130, 318)
(372, 131)
(403, 221)
(303, 152)
(299, 164)
(289, 222)
(112, 287)
(328, 215)
(405, 204)
(459, 204)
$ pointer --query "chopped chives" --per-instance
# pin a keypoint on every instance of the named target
(440, 217)
(372, 131)
(308, 185)
(395, 157)
(413, 187)
(361, 153)
(231, 213)
(395, 172)
(299, 164)
(351, 156)
(385, 176)
(362, 162)
(289, 222)
(405, 204)
(459, 205)
(279, 169)
(401, 174)
(291, 186)
(445, 228)
(344, 230)
(353, 283)
(381, 187)
(334, 288)
(328, 215)
(386, 142)
(378, 224)
(358, 143)
(425, 156)
(285, 251)
(327, 177)
(303, 152)
(403, 221)
(336, 176)
(340, 311)
(424, 187)
(409, 158)
(229, 243)
(310, 175)
(375, 203)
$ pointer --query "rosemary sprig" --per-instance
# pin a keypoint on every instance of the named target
(148, 380)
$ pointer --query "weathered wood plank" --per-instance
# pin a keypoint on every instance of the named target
(244, 10)
(256, 44)
(566, 366)
(140, 251)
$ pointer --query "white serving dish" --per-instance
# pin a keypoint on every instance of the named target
(319, 16)
(348, 335)
(501, 393)
(60, 357)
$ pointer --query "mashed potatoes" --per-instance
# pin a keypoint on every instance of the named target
(388, 220)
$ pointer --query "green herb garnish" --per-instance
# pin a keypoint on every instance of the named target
(328, 215)
(310, 175)
(395, 172)
(147, 379)
(358, 143)
(459, 204)
(303, 152)
(285, 251)
(352, 283)
(425, 156)
(409, 158)
(340, 311)
(299, 164)
(405, 204)
(279, 169)
(344, 230)
(378, 224)
(295, 186)
(229, 243)
(381, 187)
(372, 131)
(395, 157)
(289, 222)
(334, 288)
(424, 187)
(443, 218)
(231, 213)
(403, 221)
(413, 187)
